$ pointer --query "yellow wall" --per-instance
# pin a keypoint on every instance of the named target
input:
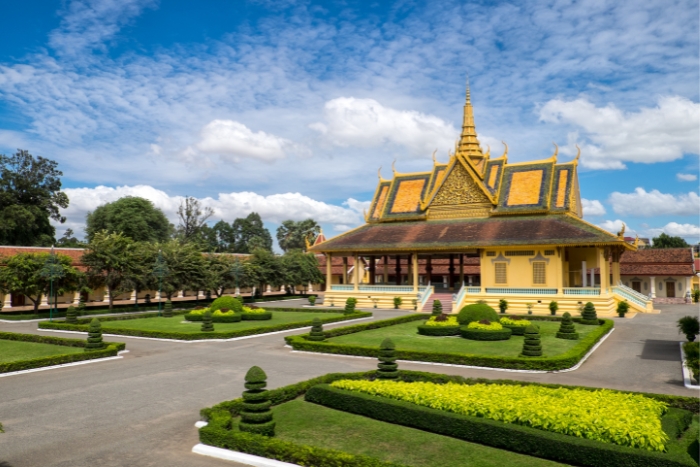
(519, 268)
(576, 256)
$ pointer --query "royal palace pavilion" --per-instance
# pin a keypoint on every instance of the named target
(521, 221)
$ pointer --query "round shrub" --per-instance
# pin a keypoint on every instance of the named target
(232, 303)
(350, 305)
(476, 312)
(532, 346)
(388, 369)
(502, 334)
(94, 340)
(589, 316)
(567, 330)
(316, 333)
(690, 326)
(256, 416)
(207, 325)
(516, 324)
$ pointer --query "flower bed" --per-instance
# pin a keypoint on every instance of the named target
(448, 327)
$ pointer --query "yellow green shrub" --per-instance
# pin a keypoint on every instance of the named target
(494, 326)
(254, 310)
(198, 312)
(450, 321)
(624, 419)
(222, 313)
(515, 322)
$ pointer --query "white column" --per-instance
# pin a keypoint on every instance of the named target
(180, 293)
(469, 278)
(105, 298)
(652, 293)
(238, 290)
(133, 296)
(76, 298)
(311, 287)
(7, 301)
(157, 295)
(44, 300)
(592, 277)
(584, 270)
(688, 294)
(269, 289)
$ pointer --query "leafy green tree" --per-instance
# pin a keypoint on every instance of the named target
(264, 268)
(300, 269)
(110, 260)
(185, 267)
(69, 241)
(24, 273)
(193, 217)
(250, 234)
(666, 241)
(218, 273)
(137, 218)
(293, 235)
(30, 197)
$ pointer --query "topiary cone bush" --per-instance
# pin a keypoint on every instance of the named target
(81, 305)
(690, 326)
(588, 315)
(317, 333)
(388, 369)
(350, 305)
(71, 315)
(256, 416)
(168, 309)
(437, 308)
(503, 305)
(207, 323)
(312, 300)
(532, 346)
(567, 330)
(94, 340)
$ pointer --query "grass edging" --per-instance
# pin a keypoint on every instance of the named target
(509, 436)
(112, 349)
(562, 361)
(83, 326)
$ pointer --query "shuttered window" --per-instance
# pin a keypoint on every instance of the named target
(538, 272)
(501, 274)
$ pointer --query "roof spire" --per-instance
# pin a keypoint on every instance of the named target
(468, 145)
(469, 97)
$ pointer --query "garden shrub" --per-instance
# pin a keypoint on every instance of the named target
(71, 315)
(588, 315)
(207, 324)
(532, 347)
(316, 333)
(482, 332)
(476, 312)
(622, 308)
(690, 326)
(437, 308)
(312, 300)
(503, 305)
(388, 369)
(81, 305)
(94, 340)
(397, 302)
(253, 313)
(226, 301)
(256, 416)
(168, 309)
(516, 324)
(692, 358)
(350, 305)
(442, 325)
(567, 330)
(485, 325)
(696, 295)
(553, 307)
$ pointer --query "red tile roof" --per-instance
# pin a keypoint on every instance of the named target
(75, 254)
(657, 262)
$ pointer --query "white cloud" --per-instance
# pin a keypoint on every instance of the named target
(659, 134)
(615, 227)
(367, 123)
(227, 206)
(644, 203)
(235, 140)
(592, 207)
(675, 229)
(686, 177)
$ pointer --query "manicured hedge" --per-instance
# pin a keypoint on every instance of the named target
(512, 437)
(110, 351)
(258, 316)
(203, 335)
(438, 330)
(485, 334)
(233, 318)
(558, 362)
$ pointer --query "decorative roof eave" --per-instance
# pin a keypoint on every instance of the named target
(315, 248)
(617, 241)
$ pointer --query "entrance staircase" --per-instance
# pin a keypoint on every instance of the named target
(445, 299)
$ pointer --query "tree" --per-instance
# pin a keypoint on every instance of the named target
(137, 218)
(666, 241)
(69, 241)
(264, 268)
(24, 273)
(185, 267)
(690, 326)
(192, 217)
(300, 269)
(218, 274)
(110, 261)
(293, 235)
(30, 196)
(250, 233)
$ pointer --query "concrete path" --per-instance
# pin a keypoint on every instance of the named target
(141, 410)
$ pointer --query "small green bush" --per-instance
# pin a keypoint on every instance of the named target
(437, 308)
(532, 347)
(503, 305)
(312, 300)
(397, 302)
(567, 330)
(690, 326)
(317, 333)
(207, 323)
(350, 305)
(588, 315)
(502, 334)
(696, 295)
(476, 312)
(388, 369)
(94, 340)
(553, 307)
(692, 358)
(256, 416)
(232, 303)
(71, 315)
(168, 309)
(622, 308)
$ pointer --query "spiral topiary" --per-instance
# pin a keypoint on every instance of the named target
(207, 323)
(71, 315)
(81, 305)
(388, 369)
(532, 347)
(317, 333)
(350, 305)
(256, 416)
(476, 312)
(437, 308)
(588, 315)
(94, 340)
(168, 309)
(567, 330)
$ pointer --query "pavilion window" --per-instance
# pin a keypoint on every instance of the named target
(501, 273)
(539, 272)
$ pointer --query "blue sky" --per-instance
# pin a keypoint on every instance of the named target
(288, 108)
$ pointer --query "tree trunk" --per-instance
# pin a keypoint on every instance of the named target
(35, 302)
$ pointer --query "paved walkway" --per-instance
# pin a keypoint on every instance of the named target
(140, 410)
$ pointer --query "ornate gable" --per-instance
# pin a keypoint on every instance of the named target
(459, 187)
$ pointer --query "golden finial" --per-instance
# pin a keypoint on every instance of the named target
(364, 213)
(505, 151)
(636, 241)
(306, 240)
(434, 160)
(578, 153)
(379, 172)
(556, 151)
(621, 233)
(393, 166)
(469, 97)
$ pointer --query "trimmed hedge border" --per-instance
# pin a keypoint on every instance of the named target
(559, 362)
(516, 330)
(217, 432)
(110, 351)
(438, 330)
(83, 327)
(256, 316)
(485, 334)
(512, 437)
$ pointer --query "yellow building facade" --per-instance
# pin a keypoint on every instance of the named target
(523, 221)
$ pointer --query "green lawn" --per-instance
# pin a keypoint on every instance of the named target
(178, 323)
(406, 337)
(12, 351)
(310, 424)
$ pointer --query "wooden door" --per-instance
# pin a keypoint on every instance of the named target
(18, 300)
(670, 289)
(637, 286)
